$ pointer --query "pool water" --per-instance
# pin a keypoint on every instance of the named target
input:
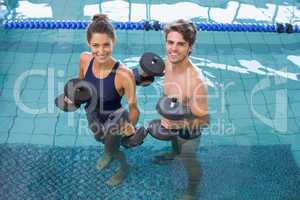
(251, 150)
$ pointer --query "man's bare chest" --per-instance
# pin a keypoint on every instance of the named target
(176, 87)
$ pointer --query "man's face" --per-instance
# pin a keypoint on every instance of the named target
(177, 48)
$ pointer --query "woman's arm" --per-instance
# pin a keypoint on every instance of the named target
(83, 60)
(129, 88)
(83, 64)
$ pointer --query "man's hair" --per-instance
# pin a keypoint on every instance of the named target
(185, 27)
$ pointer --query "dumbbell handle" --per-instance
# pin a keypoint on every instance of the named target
(173, 102)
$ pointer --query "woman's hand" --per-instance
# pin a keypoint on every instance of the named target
(67, 100)
(127, 129)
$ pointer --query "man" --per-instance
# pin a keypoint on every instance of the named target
(183, 81)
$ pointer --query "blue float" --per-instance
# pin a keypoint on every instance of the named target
(151, 25)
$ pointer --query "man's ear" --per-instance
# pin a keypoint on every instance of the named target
(190, 50)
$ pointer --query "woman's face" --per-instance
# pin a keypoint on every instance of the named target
(101, 47)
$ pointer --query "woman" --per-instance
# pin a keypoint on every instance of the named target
(112, 81)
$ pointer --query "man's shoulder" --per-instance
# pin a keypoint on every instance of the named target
(196, 73)
(197, 78)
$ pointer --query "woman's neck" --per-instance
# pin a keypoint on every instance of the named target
(104, 66)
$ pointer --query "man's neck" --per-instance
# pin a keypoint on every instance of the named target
(180, 67)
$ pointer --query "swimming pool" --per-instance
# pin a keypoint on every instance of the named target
(251, 150)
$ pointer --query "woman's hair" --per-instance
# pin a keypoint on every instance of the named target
(100, 24)
(185, 27)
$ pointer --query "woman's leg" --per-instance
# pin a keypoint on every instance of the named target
(122, 171)
(112, 149)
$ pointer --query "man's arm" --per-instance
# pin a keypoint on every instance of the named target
(199, 104)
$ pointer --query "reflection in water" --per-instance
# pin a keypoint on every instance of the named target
(225, 15)
(262, 14)
(34, 10)
(248, 66)
(3, 11)
(233, 12)
(224, 12)
(7, 9)
(294, 59)
(254, 66)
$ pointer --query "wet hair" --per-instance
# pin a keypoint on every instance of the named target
(185, 27)
(100, 24)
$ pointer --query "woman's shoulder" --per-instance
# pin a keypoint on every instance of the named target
(124, 72)
(123, 69)
(85, 56)
(84, 59)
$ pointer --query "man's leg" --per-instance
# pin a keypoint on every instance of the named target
(167, 156)
(189, 158)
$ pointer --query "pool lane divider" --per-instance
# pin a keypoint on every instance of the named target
(152, 26)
